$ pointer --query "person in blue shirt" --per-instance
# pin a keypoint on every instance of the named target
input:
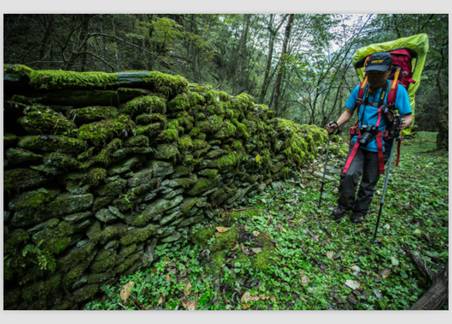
(365, 162)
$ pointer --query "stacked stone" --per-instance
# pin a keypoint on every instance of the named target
(102, 167)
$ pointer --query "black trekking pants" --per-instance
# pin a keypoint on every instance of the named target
(364, 164)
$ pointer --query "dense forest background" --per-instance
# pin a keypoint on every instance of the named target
(298, 64)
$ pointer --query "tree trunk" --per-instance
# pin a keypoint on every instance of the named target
(279, 75)
(271, 43)
(242, 59)
(436, 296)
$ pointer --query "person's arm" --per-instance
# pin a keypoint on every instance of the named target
(343, 118)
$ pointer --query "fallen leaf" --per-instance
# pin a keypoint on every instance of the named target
(256, 233)
(385, 273)
(222, 229)
(246, 298)
(304, 279)
(256, 250)
(356, 270)
(168, 277)
(330, 254)
(160, 301)
(189, 305)
(352, 284)
(394, 261)
(126, 290)
(187, 289)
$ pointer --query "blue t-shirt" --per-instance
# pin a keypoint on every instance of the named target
(370, 115)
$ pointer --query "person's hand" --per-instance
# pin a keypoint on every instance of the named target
(332, 127)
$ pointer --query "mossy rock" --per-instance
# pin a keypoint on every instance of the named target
(70, 203)
(166, 152)
(144, 105)
(139, 140)
(150, 130)
(41, 290)
(104, 158)
(154, 211)
(202, 185)
(17, 156)
(95, 176)
(146, 119)
(227, 161)
(138, 235)
(55, 237)
(99, 133)
(61, 161)
(166, 84)
(39, 119)
(179, 103)
(59, 79)
(52, 143)
(20, 179)
(92, 114)
(104, 260)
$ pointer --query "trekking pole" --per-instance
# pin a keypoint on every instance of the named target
(385, 185)
(324, 170)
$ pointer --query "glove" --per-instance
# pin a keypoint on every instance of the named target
(332, 127)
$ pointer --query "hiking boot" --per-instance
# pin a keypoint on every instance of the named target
(358, 217)
(338, 213)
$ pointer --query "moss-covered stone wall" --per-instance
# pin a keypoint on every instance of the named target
(102, 167)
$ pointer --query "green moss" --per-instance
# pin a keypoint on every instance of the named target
(92, 113)
(227, 161)
(145, 119)
(218, 261)
(95, 176)
(98, 133)
(61, 161)
(39, 119)
(104, 157)
(209, 173)
(212, 124)
(202, 185)
(227, 130)
(185, 120)
(241, 128)
(179, 103)
(18, 156)
(55, 237)
(167, 84)
(138, 234)
(171, 133)
(59, 79)
(144, 105)
(166, 151)
(52, 143)
(226, 240)
(202, 235)
(301, 141)
(139, 140)
(185, 142)
(149, 130)
(21, 179)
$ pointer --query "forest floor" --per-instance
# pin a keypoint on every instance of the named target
(279, 251)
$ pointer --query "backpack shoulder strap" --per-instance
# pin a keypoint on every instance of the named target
(362, 87)
(393, 91)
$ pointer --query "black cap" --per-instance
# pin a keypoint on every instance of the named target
(379, 62)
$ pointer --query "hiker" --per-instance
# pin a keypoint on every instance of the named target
(367, 157)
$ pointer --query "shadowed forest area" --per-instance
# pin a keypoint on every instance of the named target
(299, 65)
(174, 161)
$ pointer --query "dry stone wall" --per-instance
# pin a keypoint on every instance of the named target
(99, 168)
